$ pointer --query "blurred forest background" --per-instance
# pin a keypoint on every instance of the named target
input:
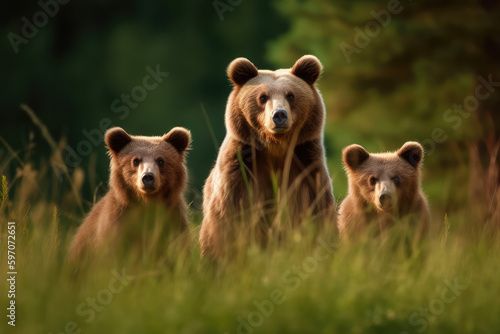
(393, 72)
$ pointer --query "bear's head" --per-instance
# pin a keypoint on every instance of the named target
(272, 107)
(147, 167)
(389, 181)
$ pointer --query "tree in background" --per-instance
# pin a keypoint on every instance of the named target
(404, 70)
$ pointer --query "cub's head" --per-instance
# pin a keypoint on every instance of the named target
(386, 180)
(272, 105)
(148, 166)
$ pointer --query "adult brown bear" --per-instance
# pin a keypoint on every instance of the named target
(271, 164)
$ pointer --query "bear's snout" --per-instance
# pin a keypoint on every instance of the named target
(148, 179)
(386, 194)
(280, 116)
(385, 199)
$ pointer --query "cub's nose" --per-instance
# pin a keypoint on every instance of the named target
(148, 179)
(385, 199)
(280, 116)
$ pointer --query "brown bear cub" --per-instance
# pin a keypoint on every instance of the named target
(383, 187)
(273, 153)
(144, 171)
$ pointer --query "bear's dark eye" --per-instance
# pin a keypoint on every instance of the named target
(373, 180)
(263, 98)
(396, 180)
(160, 162)
(136, 162)
(290, 97)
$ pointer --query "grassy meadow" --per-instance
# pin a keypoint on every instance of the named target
(305, 284)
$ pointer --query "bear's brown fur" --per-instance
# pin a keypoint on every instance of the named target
(143, 170)
(274, 122)
(383, 187)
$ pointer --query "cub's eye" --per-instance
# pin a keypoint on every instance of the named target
(290, 96)
(373, 180)
(396, 179)
(160, 162)
(263, 98)
(136, 162)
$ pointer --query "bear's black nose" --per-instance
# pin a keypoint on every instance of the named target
(280, 116)
(385, 199)
(148, 179)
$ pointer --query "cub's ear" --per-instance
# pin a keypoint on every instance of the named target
(179, 138)
(241, 70)
(308, 68)
(354, 155)
(116, 139)
(412, 152)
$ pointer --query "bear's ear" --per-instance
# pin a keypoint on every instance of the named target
(412, 152)
(354, 155)
(241, 70)
(116, 139)
(308, 68)
(179, 138)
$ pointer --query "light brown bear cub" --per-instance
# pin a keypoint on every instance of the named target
(383, 187)
(143, 170)
(273, 149)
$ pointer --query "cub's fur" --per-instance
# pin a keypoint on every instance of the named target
(144, 171)
(383, 187)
